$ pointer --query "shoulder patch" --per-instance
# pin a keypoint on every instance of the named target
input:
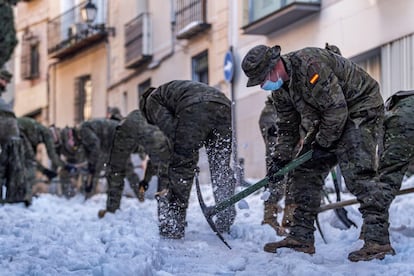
(314, 78)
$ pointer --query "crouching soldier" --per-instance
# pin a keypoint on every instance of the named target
(34, 134)
(132, 133)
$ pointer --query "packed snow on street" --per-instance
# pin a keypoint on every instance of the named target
(59, 236)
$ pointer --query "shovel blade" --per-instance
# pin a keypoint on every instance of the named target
(208, 214)
(343, 217)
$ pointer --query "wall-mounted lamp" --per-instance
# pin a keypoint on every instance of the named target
(88, 14)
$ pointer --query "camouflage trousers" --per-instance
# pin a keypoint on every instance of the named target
(12, 170)
(356, 155)
(398, 150)
(205, 124)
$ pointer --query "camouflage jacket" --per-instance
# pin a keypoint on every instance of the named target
(66, 149)
(164, 104)
(323, 87)
(134, 133)
(96, 137)
(7, 122)
(268, 128)
(35, 133)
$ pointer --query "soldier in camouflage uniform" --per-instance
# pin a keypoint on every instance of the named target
(133, 133)
(114, 113)
(34, 134)
(267, 124)
(398, 150)
(12, 172)
(95, 138)
(67, 148)
(192, 115)
(351, 111)
(398, 147)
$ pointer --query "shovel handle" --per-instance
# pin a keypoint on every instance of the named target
(251, 189)
(344, 203)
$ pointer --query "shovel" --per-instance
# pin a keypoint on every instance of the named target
(210, 211)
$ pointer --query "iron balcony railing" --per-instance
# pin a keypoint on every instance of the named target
(138, 41)
(191, 18)
(68, 34)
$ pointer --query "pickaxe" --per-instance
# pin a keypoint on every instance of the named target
(210, 211)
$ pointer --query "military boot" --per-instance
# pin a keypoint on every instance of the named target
(289, 242)
(370, 251)
(288, 215)
(270, 217)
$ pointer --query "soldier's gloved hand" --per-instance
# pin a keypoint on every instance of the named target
(49, 173)
(320, 152)
(143, 184)
(275, 166)
(70, 168)
(142, 187)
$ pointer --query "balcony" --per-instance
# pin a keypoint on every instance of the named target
(137, 41)
(265, 19)
(68, 34)
(191, 18)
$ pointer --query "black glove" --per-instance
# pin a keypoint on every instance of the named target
(320, 152)
(275, 166)
(49, 173)
(143, 184)
(70, 168)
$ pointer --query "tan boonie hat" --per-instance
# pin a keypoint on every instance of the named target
(5, 75)
(258, 62)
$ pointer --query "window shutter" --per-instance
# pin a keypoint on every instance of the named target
(29, 62)
(78, 101)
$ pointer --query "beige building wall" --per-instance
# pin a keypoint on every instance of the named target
(31, 95)
(91, 62)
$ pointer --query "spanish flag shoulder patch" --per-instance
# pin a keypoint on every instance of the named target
(314, 79)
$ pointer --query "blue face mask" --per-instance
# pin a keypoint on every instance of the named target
(272, 85)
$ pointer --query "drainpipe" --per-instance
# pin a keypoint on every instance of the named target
(231, 39)
(155, 63)
(108, 61)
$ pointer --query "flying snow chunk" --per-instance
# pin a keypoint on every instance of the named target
(265, 196)
(243, 204)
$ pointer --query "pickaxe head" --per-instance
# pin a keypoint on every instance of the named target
(208, 213)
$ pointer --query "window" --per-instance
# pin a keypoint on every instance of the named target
(83, 99)
(142, 87)
(30, 57)
(199, 65)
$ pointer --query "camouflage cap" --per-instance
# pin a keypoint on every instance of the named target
(5, 75)
(258, 62)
